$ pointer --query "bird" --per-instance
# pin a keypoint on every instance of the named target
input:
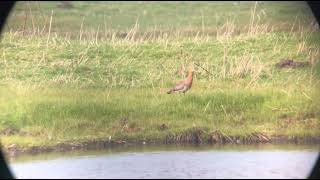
(183, 85)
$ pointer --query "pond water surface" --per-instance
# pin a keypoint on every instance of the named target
(172, 161)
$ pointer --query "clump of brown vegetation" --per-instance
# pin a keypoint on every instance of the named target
(289, 63)
(199, 136)
(65, 5)
(9, 131)
(163, 127)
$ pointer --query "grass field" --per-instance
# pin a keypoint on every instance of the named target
(106, 20)
(79, 81)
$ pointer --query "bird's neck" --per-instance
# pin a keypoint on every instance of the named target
(190, 77)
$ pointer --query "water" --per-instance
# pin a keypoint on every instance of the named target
(229, 161)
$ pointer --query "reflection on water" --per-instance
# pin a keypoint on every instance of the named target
(228, 161)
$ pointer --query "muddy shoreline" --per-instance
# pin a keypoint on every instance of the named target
(194, 138)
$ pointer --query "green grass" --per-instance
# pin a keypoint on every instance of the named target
(66, 114)
(58, 99)
(56, 89)
(108, 17)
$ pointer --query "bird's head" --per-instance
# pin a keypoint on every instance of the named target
(191, 68)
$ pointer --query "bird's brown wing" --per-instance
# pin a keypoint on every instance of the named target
(179, 86)
(180, 82)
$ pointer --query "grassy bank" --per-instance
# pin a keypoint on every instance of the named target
(55, 89)
(63, 93)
